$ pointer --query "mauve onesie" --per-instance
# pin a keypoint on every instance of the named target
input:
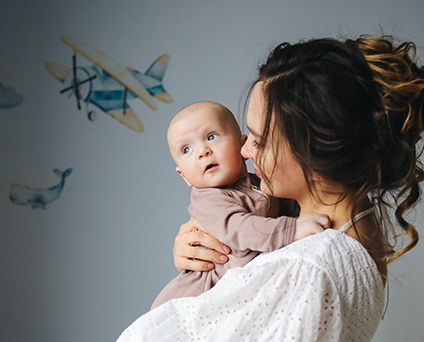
(241, 217)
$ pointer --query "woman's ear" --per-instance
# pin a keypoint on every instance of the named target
(182, 175)
(316, 177)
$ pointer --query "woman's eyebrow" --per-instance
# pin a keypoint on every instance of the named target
(253, 131)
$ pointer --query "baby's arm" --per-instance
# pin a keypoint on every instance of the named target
(306, 225)
(230, 222)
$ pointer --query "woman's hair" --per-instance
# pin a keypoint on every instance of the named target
(351, 112)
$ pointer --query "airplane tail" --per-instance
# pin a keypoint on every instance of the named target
(156, 71)
(58, 71)
(158, 68)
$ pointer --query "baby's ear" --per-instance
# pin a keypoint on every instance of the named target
(182, 175)
(243, 139)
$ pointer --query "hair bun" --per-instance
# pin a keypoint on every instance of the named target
(400, 84)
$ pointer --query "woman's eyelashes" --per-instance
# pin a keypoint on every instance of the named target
(256, 143)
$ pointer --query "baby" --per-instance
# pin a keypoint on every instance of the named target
(205, 141)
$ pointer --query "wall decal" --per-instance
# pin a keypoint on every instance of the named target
(108, 85)
(9, 98)
(38, 197)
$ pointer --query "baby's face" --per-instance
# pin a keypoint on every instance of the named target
(206, 149)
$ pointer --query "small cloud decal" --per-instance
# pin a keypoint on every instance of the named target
(9, 97)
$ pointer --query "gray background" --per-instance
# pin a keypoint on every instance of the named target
(93, 262)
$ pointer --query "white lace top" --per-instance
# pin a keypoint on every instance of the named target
(322, 288)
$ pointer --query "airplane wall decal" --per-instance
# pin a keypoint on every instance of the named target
(108, 85)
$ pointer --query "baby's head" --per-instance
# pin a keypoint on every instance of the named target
(205, 142)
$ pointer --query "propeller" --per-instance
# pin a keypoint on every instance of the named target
(75, 83)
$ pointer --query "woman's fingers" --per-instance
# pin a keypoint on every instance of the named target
(198, 258)
(192, 265)
(205, 254)
(203, 238)
(200, 246)
(196, 250)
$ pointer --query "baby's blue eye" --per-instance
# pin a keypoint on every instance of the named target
(212, 136)
(187, 149)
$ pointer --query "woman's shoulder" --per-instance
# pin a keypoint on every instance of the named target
(329, 246)
(332, 252)
(335, 263)
(321, 247)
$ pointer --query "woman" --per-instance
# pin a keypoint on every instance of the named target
(333, 125)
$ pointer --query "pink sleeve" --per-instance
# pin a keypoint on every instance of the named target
(230, 222)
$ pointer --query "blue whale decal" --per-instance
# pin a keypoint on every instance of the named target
(38, 197)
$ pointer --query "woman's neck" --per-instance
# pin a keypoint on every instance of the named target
(365, 232)
(339, 213)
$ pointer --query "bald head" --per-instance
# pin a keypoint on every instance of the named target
(222, 112)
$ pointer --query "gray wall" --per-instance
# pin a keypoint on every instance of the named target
(90, 264)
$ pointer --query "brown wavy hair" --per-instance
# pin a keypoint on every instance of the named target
(352, 112)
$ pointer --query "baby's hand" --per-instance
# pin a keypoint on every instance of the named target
(310, 224)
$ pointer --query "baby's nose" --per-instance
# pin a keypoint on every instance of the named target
(206, 152)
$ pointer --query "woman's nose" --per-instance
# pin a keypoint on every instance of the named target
(245, 152)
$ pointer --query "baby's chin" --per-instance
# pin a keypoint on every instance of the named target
(213, 185)
(216, 184)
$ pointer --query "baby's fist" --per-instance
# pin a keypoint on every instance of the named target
(310, 224)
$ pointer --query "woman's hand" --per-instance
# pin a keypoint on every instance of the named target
(195, 249)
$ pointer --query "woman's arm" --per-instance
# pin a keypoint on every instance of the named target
(195, 249)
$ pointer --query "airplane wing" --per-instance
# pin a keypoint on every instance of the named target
(111, 102)
(114, 69)
(129, 119)
(164, 97)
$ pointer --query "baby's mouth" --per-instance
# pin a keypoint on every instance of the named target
(210, 166)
